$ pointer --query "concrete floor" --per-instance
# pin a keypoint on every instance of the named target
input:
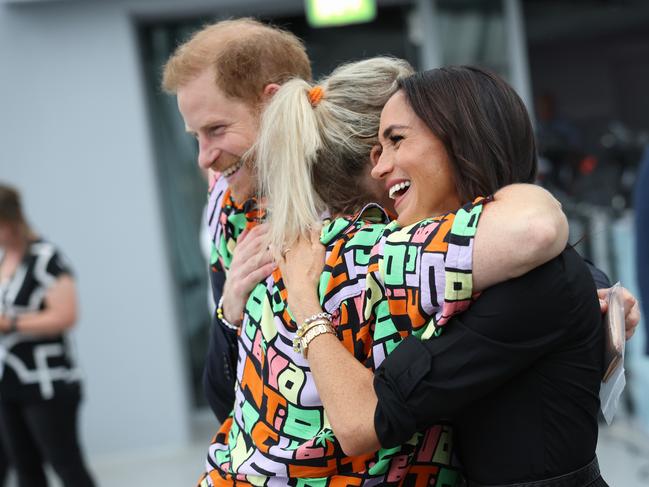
(623, 452)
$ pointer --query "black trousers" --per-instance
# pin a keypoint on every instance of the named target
(38, 431)
(4, 466)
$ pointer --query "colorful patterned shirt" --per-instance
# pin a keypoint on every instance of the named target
(381, 283)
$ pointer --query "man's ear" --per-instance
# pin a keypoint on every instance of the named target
(269, 90)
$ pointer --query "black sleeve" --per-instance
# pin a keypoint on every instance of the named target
(58, 265)
(508, 328)
(599, 276)
(219, 374)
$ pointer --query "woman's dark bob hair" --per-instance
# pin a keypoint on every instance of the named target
(482, 123)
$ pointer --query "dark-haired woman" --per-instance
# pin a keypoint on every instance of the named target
(518, 374)
(40, 389)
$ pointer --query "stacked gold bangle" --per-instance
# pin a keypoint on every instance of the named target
(312, 327)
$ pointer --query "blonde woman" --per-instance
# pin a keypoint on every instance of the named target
(383, 282)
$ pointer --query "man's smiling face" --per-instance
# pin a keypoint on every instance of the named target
(225, 128)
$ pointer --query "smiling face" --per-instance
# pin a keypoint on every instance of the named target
(225, 129)
(413, 165)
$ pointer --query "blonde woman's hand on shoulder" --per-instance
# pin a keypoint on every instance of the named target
(301, 265)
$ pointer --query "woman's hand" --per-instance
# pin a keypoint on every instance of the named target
(345, 385)
(251, 263)
(301, 266)
(631, 309)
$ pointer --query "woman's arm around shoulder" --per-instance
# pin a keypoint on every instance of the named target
(522, 228)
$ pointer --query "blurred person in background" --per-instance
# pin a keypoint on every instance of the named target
(559, 143)
(40, 389)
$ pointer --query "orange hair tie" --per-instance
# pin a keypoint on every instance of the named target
(315, 95)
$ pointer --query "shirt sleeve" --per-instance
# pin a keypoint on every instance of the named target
(58, 265)
(426, 269)
(508, 328)
(219, 374)
(602, 281)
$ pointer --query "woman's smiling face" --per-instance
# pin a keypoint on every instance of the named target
(413, 164)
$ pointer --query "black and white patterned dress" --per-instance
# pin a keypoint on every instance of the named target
(35, 367)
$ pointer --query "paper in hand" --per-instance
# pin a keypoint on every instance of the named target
(614, 380)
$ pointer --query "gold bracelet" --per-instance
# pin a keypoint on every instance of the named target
(308, 332)
(307, 325)
(313, 332)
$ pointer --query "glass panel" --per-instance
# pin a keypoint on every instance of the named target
(182, 193)
(473, 32)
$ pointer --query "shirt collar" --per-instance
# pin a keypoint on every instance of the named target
(370, 213)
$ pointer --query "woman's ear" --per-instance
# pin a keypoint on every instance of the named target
(375, 153)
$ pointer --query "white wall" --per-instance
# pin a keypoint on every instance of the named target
(74, 138)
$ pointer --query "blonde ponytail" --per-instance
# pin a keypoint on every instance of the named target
(314, 157)
(286, 153)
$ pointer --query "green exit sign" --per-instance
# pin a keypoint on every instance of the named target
(330, 13)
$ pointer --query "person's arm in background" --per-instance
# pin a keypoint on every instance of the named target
(59, 314)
